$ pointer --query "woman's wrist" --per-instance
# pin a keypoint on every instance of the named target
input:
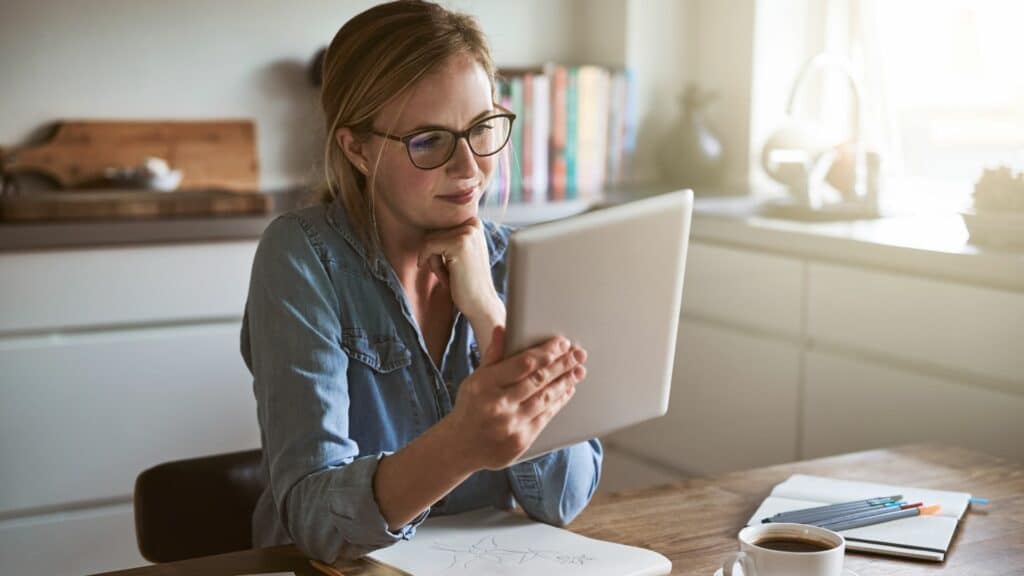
(490, 317)
(453, 454)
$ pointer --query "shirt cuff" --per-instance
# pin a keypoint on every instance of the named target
(527, 478)
(355, 507)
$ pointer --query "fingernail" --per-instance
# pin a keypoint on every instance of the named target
(563, 345)
(579, 355)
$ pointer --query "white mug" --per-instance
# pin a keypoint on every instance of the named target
(759, 561)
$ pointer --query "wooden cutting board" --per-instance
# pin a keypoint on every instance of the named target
(218, 154)
(217, 158)
(129, 204)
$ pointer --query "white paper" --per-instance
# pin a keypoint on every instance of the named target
(495, 542)
(830, 491)
(926, 537)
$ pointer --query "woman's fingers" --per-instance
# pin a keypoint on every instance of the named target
(439, 269)
(450, 242)
(544, 375)
(511, 370)
(552, 397)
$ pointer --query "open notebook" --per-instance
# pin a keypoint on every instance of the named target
(925, 537)
(495, 542)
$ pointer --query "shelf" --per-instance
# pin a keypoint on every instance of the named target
(527, 214)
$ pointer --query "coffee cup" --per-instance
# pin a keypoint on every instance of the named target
(781, 549)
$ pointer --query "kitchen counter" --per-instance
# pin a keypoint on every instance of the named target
(930, 245)
(18, 236)
(934, 245)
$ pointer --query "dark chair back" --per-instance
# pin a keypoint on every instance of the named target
(197, 507)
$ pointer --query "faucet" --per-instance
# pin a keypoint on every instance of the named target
(800, 158)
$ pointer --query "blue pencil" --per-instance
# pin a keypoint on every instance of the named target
(846, 517)
(795, 515)
(879, 518)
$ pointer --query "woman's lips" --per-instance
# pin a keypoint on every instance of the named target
(460, 197)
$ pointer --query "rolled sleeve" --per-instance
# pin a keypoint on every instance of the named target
(355, 506)
(321, 487)
(556, 487)
(357, 526)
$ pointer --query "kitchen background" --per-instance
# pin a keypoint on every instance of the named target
(803, 333)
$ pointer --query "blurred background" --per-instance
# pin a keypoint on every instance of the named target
(855, 277)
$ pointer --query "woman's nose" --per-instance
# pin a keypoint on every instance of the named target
(463, 161)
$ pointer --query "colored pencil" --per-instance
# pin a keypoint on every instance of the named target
(792, 514)
(862, 514)
(879, 518)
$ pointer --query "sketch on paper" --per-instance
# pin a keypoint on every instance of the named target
(487, 550)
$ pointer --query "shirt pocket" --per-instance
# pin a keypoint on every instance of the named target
(382, 354)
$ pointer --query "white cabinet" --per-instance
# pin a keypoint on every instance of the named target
(783, 357)
(82, 415)
(968, 330)
(733, 404)
(737, 369)
(750, 289)
(113, 360)
(852, 404)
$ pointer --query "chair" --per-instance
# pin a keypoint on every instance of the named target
(197, 507)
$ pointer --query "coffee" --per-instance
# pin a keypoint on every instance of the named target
(793, 544)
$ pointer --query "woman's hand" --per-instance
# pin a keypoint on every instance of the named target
(459, 258)
(503, 406)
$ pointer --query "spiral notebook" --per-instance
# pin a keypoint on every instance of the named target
(924, 537)
(496, 542)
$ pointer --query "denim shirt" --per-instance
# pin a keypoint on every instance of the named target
(342, 378)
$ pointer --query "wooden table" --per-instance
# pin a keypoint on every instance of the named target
(695, 522)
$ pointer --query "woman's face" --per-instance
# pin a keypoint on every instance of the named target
(454, 96)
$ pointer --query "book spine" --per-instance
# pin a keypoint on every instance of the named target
(516, 105)
(559, 78)
(571, 132)
(629, 133)
(541, 133)
(526, 120)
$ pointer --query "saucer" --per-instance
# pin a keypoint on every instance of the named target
(846, 572)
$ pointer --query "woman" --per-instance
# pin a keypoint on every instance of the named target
(367, 312)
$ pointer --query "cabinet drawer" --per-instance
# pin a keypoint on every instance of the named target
(943, 324)
(852, 405)
(50, 290)
(70, 543)
(745, 287)
(80, 417)
(733, 404)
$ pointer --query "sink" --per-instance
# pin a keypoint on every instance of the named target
(781, 208)
(839, 211)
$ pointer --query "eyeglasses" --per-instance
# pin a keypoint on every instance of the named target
(433, 147)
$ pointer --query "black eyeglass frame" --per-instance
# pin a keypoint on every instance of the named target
(458, 136)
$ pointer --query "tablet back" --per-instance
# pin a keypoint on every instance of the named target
(611, 280)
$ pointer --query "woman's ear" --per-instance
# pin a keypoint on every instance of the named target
(354, 148)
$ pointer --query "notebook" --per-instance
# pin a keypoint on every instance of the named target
(490, 541)
(924, 537)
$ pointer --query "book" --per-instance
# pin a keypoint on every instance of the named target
(540, 132)
(923, 537)
(489, 541)
(516, 140)
(571, 131)
(559, 76)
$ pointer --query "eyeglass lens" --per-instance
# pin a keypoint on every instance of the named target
(434, 148)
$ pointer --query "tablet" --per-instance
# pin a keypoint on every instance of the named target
(611, 280)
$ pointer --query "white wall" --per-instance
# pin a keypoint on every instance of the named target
(235, 58)
(203, 59)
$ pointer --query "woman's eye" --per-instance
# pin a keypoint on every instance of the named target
(482, 129)
(427, 142)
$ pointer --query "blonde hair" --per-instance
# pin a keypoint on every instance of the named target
(373, 59)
